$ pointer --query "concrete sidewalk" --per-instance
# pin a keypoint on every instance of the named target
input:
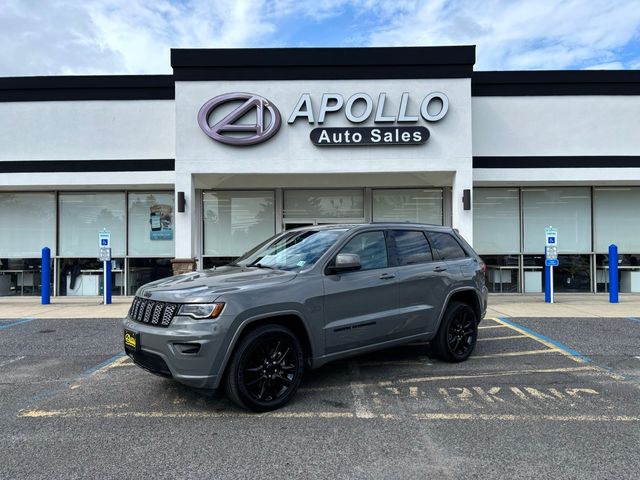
(567, 305)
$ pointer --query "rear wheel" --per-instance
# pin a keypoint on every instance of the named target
(458, 333)
(266, 369)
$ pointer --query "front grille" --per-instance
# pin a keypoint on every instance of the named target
(152, 312)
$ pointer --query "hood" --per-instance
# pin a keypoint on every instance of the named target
(207, 285)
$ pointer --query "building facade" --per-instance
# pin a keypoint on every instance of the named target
(240, 144)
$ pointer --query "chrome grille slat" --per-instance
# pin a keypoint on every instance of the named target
(151, 312)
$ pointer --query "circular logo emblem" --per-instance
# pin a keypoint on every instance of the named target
(229, 130)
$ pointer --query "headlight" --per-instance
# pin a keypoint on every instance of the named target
(201, 310)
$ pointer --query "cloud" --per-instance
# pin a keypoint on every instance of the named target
(541, 34)
(42, 37)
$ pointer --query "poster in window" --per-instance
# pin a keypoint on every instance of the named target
(161, 221)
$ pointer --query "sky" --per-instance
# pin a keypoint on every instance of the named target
(81, 37)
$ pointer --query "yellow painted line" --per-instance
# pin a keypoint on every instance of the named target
(116, 363)
(509, 337)
(542, 341)
(390, 384)
(515, 354)
(432, 416)
(485, 327)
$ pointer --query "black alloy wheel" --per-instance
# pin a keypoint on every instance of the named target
(266, 369)
(458, 333)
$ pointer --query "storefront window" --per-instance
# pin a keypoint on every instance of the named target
(236, 221)
(151, 224)
(568, 209)
(145, 270)
(327, 204)
(617, 219)
(85, 276)
(408, 205)
(628, 273)
(83, 216)
(28, 223)
(503, 273)
(496, 220)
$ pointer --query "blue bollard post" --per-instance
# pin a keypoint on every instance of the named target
(613, 273)
(547, 284)
(107, 283)
(45, 276)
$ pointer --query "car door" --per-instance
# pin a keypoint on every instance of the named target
(360, 306)
(423, 281)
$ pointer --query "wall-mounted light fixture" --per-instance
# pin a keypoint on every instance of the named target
(466, 199)
(181, 202)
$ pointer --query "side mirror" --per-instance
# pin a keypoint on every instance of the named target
(345, 262)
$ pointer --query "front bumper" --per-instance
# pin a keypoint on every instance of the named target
(185, 351)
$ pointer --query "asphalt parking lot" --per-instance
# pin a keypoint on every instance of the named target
(540, 398)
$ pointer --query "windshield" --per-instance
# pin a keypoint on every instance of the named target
(292, 250)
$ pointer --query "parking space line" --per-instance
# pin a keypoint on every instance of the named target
(509, 337)
(75, 382)
(11, 360)
(15, 324)
(430, 416)
(358, 393)
(485, 327)
(557, 346)
(634, 319)
(457, 377)
(515, 354)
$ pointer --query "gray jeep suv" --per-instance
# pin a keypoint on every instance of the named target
(306, 297)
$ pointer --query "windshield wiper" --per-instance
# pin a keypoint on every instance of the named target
(260, 265)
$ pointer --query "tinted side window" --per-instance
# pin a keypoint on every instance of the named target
(411, 247)
(447, 246)
(371, 247)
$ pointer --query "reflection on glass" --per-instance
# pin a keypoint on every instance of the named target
(503, 274)
(145, 270)
(84, 215)
(566, 208)
(316, 204)
(408, 205)
(496, 220)
(292, 250)
(27, 223)
(236, 221)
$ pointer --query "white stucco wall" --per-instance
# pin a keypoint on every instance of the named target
(559, 125)
(87, 130)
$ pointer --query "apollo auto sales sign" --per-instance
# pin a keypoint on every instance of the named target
(249, 119)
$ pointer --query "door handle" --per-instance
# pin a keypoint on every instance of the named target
(387, 276)
(440, 268)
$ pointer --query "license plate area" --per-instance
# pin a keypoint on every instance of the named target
(131, 340)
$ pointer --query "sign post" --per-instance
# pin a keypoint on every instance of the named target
(104, 242)
(550, 261)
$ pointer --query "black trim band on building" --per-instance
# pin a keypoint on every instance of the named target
(558, 162)
(102, 87)
(63, 166)
(322, 63)
(558, 82)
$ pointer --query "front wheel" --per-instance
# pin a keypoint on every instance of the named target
(266, 369)
(458, 333)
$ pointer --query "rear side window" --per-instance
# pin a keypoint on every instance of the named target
(447, 247)
(411, 247)
(371, 247)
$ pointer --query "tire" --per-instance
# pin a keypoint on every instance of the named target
(265, 369)
(458, 333)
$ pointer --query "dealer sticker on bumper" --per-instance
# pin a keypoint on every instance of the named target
(131, 340)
